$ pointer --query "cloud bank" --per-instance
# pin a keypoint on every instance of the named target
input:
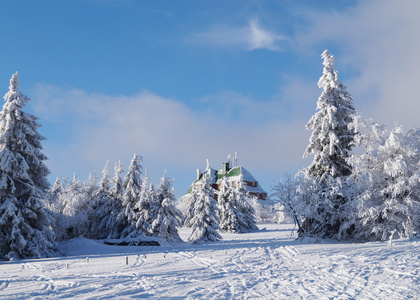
(167, 133)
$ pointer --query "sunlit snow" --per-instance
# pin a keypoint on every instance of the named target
(268, 264)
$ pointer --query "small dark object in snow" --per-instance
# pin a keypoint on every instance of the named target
(136, 243)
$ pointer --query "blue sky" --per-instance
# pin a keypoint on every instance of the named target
(181, 81)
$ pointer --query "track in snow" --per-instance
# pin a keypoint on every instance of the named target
(268, 264)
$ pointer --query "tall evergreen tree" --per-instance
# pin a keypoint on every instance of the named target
(132, 186)
(202, 216)
(24, 221)
(117, 221)
(102, 221)
(117, 189)
(332, 136)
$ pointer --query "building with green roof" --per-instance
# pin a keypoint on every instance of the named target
(233, 174)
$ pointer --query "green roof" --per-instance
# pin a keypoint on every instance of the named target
(236, 171)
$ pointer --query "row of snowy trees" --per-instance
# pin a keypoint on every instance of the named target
(117, 208)
(369, 196)
(132, 208)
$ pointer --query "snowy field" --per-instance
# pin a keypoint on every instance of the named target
(268, 264)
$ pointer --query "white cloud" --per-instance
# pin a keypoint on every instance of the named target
(379, 40)
(167, 133)
(250, 37)
(262, 39)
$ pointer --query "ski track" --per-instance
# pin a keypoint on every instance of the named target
(261, 265)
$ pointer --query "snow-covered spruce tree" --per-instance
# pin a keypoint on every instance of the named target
(53, 194)
(24, 221)
(331, 141)
(147, 206)
(57, 187)
(202, 216)
(116, 222)
(132, 185)
(103, 208)
(167, 218)
(90, 187)
(332, 134)
(246, 221)
(105, 182)
(228, 214)
(387, 198)
(117, 189)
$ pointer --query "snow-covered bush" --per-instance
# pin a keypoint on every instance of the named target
(387, 198)
(284, 194)
(72, 210)
(282, 215)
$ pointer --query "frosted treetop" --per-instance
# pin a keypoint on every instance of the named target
(14, 82)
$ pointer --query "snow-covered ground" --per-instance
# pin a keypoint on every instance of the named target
(268, 264)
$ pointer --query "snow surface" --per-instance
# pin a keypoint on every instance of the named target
(268, 264)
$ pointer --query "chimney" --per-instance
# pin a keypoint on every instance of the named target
(198, 174)
(225, 167)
